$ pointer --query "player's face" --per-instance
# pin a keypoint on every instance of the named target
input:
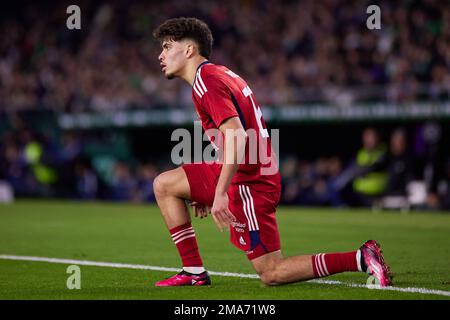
(172, 58)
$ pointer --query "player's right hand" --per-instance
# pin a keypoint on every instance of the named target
(200, 210)
(221, 214)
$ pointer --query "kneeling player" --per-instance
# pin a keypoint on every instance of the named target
(241, 195)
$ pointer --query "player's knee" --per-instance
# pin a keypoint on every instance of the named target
(160, 186)
(270, 277)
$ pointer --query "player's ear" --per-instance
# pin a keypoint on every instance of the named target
(190, 49)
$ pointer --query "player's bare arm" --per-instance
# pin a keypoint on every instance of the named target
(234, 146)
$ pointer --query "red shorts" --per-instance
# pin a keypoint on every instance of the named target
(255, 230)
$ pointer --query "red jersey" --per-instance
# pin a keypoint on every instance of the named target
(220, 94)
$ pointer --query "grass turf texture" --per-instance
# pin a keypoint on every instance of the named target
(416, 245)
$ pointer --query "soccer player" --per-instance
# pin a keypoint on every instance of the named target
(239, 195)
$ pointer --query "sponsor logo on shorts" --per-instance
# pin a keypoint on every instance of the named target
(239, 227)
(238, 224)
(242, 241)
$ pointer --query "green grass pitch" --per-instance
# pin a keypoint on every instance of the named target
(416, 245)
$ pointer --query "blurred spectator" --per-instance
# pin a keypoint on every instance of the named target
(124, 184)
(318, 194)
(444, 188)
(291, 181)
(17, 172)
(70, 148)
(146, 174)
(400, 165)
(311, 184)
(371, 182)
(86, 181)
(334, 171)
(430, 160)
(364, 180)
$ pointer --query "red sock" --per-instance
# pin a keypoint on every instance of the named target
(325, 264)
(184, 238)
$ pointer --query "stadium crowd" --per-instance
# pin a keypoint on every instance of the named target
(404, 172)
(35, 165)
(291, 52)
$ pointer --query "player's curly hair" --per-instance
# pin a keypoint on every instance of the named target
(177, 29)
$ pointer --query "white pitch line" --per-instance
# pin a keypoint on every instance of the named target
(222, 274)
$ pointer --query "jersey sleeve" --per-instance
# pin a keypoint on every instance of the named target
(217, 101)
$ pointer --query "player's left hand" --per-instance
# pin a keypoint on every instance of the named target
(221, 214)
(200, 210)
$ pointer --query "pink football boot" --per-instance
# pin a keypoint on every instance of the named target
(373, 262)
(185, 279)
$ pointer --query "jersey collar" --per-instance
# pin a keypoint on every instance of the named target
(198, 68)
